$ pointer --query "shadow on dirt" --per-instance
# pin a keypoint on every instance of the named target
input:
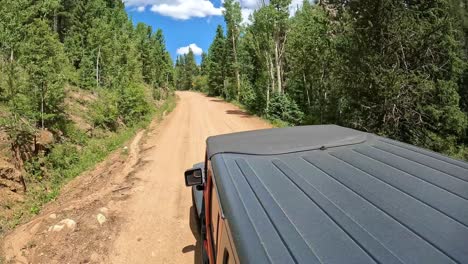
(194, 227)
(241, 113)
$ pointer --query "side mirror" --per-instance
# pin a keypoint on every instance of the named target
(194, 177)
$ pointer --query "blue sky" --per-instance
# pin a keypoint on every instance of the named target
(180, 33)
(186, 22)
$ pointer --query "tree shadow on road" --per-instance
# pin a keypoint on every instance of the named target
(241, 113)
(194, 227)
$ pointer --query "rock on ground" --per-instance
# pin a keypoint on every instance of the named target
(69, 223)
(101, 219)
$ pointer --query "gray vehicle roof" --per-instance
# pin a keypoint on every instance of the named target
(359, 199)
(283, 140)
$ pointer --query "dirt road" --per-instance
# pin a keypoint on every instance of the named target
(142, 195)
(159, 213)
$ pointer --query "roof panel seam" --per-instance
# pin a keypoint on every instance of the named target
(409, 159)
(409, 173)
(327, 214)
(390, 142)
(402, 191)
(266, 212)
(244, 205)
(385, 212)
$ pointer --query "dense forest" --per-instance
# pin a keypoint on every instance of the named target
(75, 78)
(397, 68)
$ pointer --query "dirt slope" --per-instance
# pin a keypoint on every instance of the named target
(142, 196)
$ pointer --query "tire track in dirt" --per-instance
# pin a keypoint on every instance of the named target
(160, 212)
(148, 206)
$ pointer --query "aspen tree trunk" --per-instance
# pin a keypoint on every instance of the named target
(97, 66)
(278, 68)
(10, 75)
(323, 94)
(272, 72)
(306, 89)
(236, 68)
(270, 67)
(42, 105)
(55, 21)
(268, 98)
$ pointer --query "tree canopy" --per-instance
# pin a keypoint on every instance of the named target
(50, 47)
(392, 67)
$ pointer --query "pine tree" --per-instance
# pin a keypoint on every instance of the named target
(233, 18)
(45, 62)
(204, 64)
(191, 70)
(216, 64)
(401, 67)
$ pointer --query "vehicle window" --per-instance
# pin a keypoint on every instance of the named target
(214, 217)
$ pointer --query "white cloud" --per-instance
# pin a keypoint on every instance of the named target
(179, 9)
(246, 12)
(186, 9)
(184, 50)
(137, 3)
(249, 6)
(295, 5)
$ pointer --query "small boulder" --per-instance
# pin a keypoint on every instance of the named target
(101, 219)
(104, 210)
(56, 228)
(71, 224)
(53, 216)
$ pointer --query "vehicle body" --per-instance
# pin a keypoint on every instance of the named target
(328, 194)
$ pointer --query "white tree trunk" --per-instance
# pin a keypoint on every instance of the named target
(271, 68)
(278, 68)
(42, 106)
(307, 90)
(236, 66)
(97, 66)
(55, 21)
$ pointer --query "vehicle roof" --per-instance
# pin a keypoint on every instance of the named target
(283, 140)
(375, 200)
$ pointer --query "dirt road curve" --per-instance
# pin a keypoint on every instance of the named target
(134, 207)
(159, 213)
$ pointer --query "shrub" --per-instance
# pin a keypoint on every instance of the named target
(201, 84)
(248, 96)
(73, 134)
(133, 104)
(104, 112)
(62, 157)
(284, 108)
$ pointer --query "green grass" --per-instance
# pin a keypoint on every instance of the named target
(93, 152)
(98, 149)
(277, 122)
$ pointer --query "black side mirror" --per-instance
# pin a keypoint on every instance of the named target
(194, 177)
